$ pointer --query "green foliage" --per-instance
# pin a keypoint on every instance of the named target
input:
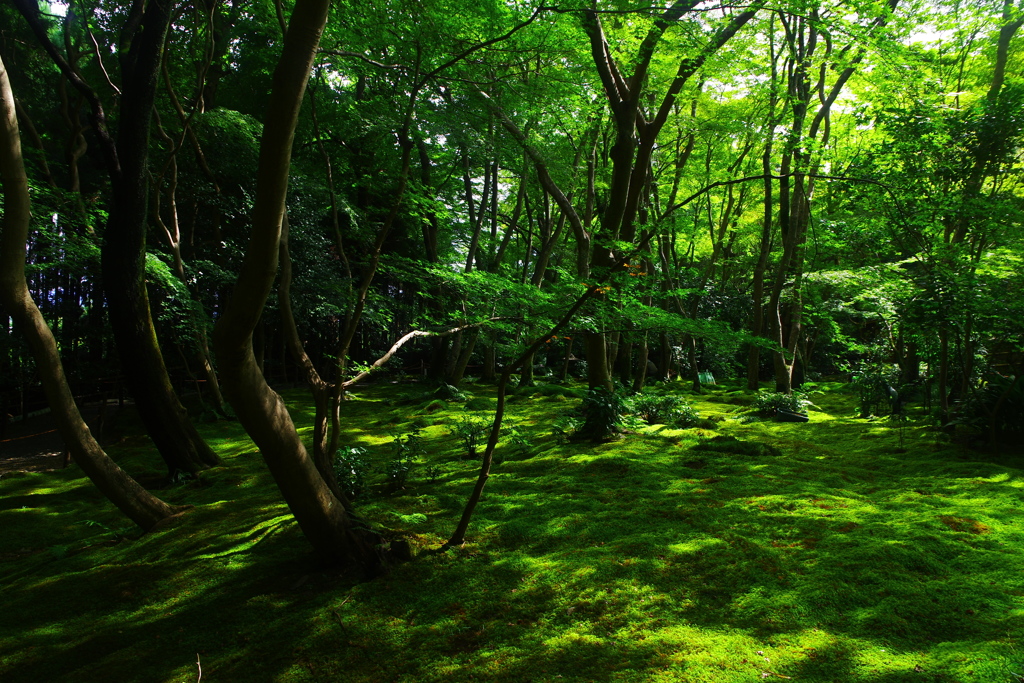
(407, 449)
(112, 534)
(874, 384)
(602, 412)
(351, 468)
(768, 404)
(997, 407)
(446, 392)
(470, 430)
(516, 438)
(664, 409)
(566, 425)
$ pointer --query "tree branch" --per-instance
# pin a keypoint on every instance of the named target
(377, 364)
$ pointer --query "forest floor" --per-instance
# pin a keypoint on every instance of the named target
(862, 550)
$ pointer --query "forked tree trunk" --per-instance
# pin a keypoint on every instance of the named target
(328, 523)
(137, 503)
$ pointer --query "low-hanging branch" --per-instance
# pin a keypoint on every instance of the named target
(379, 363)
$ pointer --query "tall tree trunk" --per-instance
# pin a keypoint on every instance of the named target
(124, 243)
(124, 253)
(137, 503)
(328, 523)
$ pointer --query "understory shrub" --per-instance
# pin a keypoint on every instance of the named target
(664, 409)
(874, 385)
(408, 448)
(471, 431)
(350, 468)
(602, 413)
(446, 392)
(997, 408)
(769, 403)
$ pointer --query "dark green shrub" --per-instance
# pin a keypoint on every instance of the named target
(996, 408)
(664, 409)
(602, 412)
(350, 468)
(769, 403)
(874, 385)
(566, 426)
(446, 392)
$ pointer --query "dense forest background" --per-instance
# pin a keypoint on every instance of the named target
(618, 193)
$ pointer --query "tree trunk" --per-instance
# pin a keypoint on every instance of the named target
(124, 254)
(320, 390)
(598, 375)
(488, 374)
(139, 505)
(124, 243)
(641, 367)
(459, 371)
(327, 522)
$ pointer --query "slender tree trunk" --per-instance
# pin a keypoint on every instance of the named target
(139, 505)
(320, 390)
(201, 350)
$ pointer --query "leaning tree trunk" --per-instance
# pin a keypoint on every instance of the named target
(137, 503)
(328, 523)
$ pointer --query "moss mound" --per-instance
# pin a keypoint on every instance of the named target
(730, 444)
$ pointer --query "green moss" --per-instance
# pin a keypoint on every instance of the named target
(730, 444)
(650, 558)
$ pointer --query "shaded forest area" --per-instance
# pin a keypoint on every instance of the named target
(813, 210)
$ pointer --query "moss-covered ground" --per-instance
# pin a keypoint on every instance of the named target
(857, 554)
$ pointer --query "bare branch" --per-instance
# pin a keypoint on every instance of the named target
(377, 364)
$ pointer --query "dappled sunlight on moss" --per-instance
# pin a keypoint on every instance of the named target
(637, 559)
